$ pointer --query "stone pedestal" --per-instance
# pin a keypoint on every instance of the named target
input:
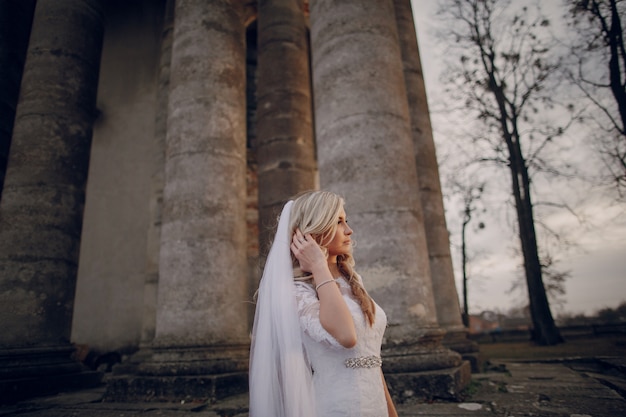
(469, 350)
(425, 370)
(442, 384)
(181, 374)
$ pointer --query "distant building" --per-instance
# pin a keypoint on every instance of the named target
(483, 323)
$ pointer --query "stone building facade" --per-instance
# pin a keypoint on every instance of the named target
(146, 148)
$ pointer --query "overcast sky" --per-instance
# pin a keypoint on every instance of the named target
(597, 258)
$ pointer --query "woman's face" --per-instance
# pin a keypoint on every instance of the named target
(341, 243)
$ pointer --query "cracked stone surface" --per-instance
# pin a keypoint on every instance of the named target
(566, 388)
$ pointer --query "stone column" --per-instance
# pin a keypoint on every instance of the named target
(158, 178)
(200, 348)
(44, 192)
(366, 154)
(203, 249)
(286, 152)
(442, 273)
(15, 22)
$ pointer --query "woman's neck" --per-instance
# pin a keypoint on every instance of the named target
(333, 267)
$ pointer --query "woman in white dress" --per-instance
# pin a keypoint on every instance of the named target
(317, 333)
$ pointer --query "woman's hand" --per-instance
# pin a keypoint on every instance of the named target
(334, 314)
(307, 252)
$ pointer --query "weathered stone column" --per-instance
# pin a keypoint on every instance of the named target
(158, 178)
(202, 259)
(200, 348)
(286, 152)
(442, 272)
(366, 154)
(15, 22)
(44, 192)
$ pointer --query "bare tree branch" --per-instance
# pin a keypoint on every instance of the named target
(505, 76)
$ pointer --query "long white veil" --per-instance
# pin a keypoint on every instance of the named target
(280, 377)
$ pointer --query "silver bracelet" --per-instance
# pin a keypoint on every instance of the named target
(317, 287)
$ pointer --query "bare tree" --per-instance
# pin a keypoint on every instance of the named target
(599, 72)
(506, 76)
(471, 194)
(554, 280)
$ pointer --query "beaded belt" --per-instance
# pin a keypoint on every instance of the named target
(364, 362)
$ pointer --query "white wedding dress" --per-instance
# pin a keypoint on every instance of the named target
(341, 391)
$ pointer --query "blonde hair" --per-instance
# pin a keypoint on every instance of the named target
(317, 213)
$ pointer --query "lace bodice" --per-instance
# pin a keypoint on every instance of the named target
(342, 391)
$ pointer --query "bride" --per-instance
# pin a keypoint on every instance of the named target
(317, 333)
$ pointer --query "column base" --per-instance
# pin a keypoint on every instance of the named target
(458, 341)
(425, 370)
(33, 372)
(197, 388)
(426, 353)
(445, 384)
(204, 374)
